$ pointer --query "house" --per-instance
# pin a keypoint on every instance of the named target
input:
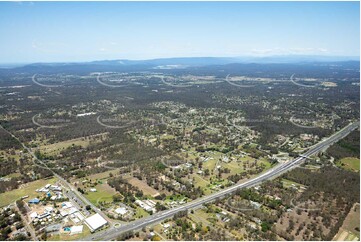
(256, 205)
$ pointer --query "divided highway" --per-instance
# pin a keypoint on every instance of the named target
(113, 232)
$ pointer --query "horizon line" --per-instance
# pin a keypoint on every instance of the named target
(352, 58)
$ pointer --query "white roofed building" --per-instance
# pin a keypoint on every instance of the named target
(121, 211)
(95, 222)
(76, 229)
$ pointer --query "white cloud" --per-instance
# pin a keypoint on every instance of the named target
(289, 51)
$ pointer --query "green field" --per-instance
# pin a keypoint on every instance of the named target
(104, 193)
(66, 237)
(349, 163)
(26, 189)
(352, 220)
(288, 183)
(101, 176)
(140, 213)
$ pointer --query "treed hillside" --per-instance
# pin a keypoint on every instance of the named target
(347, 147)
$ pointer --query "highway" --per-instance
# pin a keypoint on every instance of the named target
(113, 233)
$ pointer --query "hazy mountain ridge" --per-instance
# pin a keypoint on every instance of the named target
(202, 61)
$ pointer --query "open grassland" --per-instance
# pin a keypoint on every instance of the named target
(102, 175)
(147, 190)
(67, 237)
(288, 183)
(104, 193)
(349, 163)
(348, 230)
(56, 148)
(26, 189)
(140, 213)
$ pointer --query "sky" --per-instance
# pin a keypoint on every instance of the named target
(86, 31)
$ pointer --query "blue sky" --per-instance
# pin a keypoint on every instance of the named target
(84, 31)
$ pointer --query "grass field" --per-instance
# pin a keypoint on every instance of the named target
(235, 168)
(53, 149)
(349, 163)
(288, 183)
(140, 213)
(102, 175)
(348, 231)
(147, 190)
(200, 216)
(199, 181)
(66, 237)
(104, 193)
(26, 189)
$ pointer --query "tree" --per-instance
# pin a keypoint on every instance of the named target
(117, 197)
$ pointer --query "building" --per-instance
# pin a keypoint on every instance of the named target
(43, 215)
(34, 201)
(67, 205)
(95, 222)
(121, 211)
(147, 205)
(49, 209)
(33, 215)
(53, 228)
(76, 229)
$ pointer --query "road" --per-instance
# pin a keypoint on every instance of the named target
(113, 233)
(72, 189)
(26, 223)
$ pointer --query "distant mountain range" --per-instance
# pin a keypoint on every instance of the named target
(175, 63)
(195, 61)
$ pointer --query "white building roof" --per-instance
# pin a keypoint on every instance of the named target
(63, 213)
(79, 215)
(76, 229)
(95, 221)
(72, 210)
(49, 209)
(121, 210)
(33, 215)
(67, 205)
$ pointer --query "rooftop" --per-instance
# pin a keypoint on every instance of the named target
(95, 221)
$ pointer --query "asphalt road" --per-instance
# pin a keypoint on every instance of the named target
(113, 233)
(72, 190)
